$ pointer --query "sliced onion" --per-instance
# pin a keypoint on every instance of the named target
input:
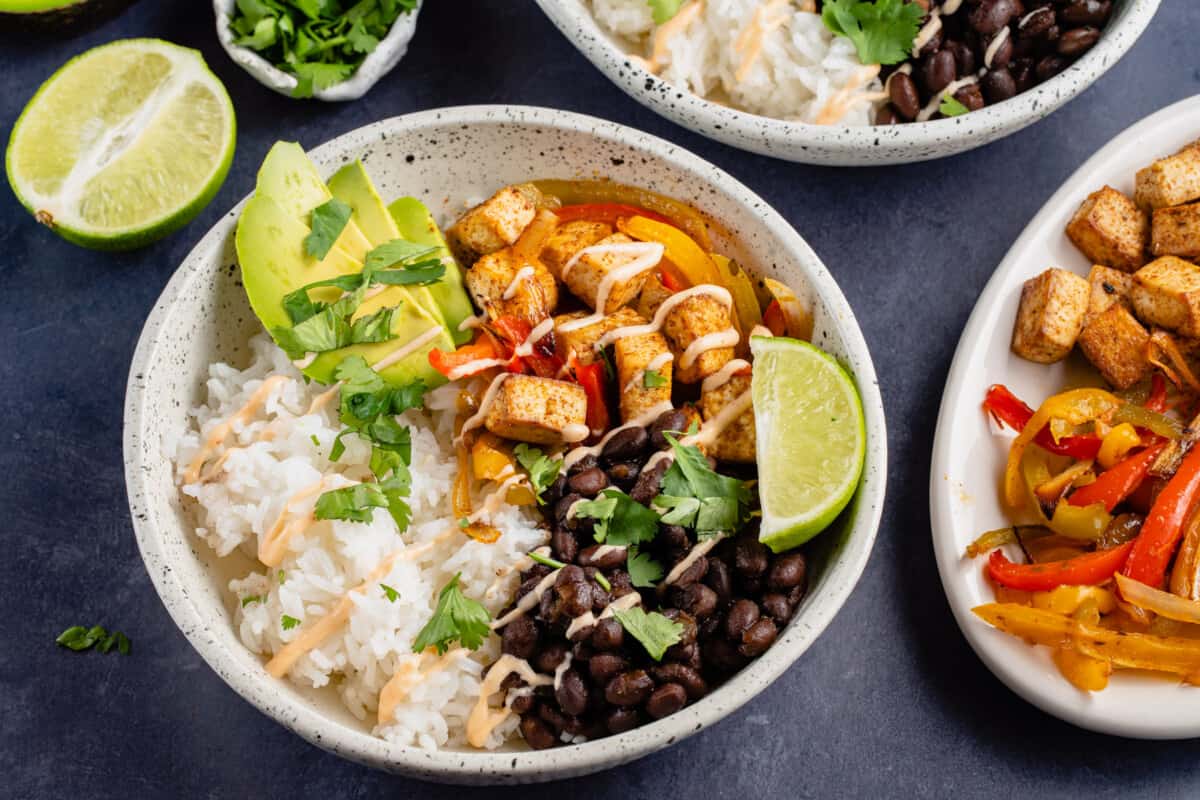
(1162, 603)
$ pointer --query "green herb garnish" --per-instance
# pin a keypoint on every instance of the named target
(328, 220)
(254, 598)
(663, 10)
(951, 107)
(652, 379)
(620, 520)
(882, 30)
(603, 581)
(653, 630)
(696, 497)
(644, 571)
(287, 623)
(457, 617)
(546, 561)
(388, 592)
(542, 469)
(79, 638)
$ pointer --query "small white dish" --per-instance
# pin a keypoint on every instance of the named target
(379, 62)
(445, 157)
(969, 454)
(846, 145)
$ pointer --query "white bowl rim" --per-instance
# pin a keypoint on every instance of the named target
(728, 124)
(268, 695)
(985, 640)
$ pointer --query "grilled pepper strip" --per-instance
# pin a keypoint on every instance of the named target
(445, 362)
(1116, 484)
(1085, 570)
(591, 378)
(606, 212)
(681, 249)
(1008, 409)
(1073, 407)
(1163, 528)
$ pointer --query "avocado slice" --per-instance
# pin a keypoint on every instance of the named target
(58, 15)
(416, 223)
(270, 248)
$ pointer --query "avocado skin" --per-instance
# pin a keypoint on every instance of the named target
(46, 16)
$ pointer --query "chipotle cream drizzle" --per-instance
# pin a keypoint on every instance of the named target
(646, 256)
(724, 375)
(642, 420)
(408, 349)
(273, 545)
(697, 552)
(720, 293)
(622, 603)
(483, 718)
(243, 415)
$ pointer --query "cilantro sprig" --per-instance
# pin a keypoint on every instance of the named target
(542, 469)
(952, 107)
(456, 618)
(882, 30)
(655, 631)
(652, 379)
(696, 497)
(79, 638)
(622, 521)
(321, 42)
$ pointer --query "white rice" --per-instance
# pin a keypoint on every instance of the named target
(802, 71)
(326, 560)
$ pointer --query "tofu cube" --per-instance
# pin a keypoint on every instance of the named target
(634, 357)
(493, 224)
(581, 342)
(1107, 287)
(653, 294)
(1166, 293)
(1050, 316)
(1116, 344)
(1175, 231)
(736, 441)
(1170, 181)
(537, 410)
(499, 286)
(568, 239)
(692, 327)
(1110, 229)
(585, 277)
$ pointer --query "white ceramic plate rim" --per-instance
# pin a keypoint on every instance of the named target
(1133, 705)
(847, 145)
(843, 573)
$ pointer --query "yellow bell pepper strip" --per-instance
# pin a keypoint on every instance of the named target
(1117, 443)
(1075, 407)
(681, 249)
(1001, 536)
(1163, 528)
(745, 301)
(1086, 523)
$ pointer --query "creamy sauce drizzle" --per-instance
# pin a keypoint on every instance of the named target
(642, 420)
(472, 322)
(575, 432)
(672, 28)
(525, 273)
(990, 54)
(485, 405)
(846, 98)
(695, 554)
(273, 546)
(724, 375)
(638, 381)
(539, 332)
(720, 293)
(622, 603)
(527, 602)
(709, 341)
(404, 352)
(710, 430)
(483, 719)
(561, 670)
(306, 362)
(472, 367)
(408, 676)
(646, 255)
(320, 401)
(217, 435)
(928, 30)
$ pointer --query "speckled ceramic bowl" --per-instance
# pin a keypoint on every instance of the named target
(379, 62)
(446, 157)
(846, 145)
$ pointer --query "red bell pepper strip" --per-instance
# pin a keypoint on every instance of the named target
(1118, 482)
(446, 361)
(1157, 401)
(591, 378)
(542, 361)
(605, 212)
(1163, 527)
(776, 322)
(1085, 570)
(671, 280)
(1008, 409)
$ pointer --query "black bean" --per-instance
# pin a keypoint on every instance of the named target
(719, 580)
(694, 572)
(527, 586)
(570, 574)
(575, 598)
(625, 444)
(935, 41)
(648, 483)
(989, 16)
(536, 733)
(608, 635)
(610, 558)
(666, 700)
(750, 557)
(587, 462)
(547, 608)
(589, 482)
(554, 492)
(519, 637)
(1049, 66)
(758, 637)
(683, 653)
(550, 657)
(903, 93)
(712, 625)
(689, 632)
(603, 666)
(621, 583)
(1002, 55)
(1078, 41)
(723, 655)
(564, 506)
(741, 616)
(675, 537)
(564, 544)
(998, 86)
(964, 56)
(1036, 22)
(624, 473)
(552, 717)
(937, 71)
(683, 675)
(1086, 12)
(886, 115)
(696, 599)
(788, 570)
(600, 597)
(629, 688)
(572, 693)
(620, 720)
(673, 421)
(777, 607)
(1023, 74)
(522, 703)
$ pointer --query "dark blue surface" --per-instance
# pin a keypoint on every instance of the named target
(890, 701)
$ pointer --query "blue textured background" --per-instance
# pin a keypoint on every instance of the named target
(890, 701)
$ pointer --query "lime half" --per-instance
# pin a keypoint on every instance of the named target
(124, 144)
(811, 439)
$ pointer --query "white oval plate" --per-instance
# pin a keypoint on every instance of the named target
(969, 455)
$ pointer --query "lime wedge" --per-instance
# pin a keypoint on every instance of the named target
(124, 144)
(811, 439)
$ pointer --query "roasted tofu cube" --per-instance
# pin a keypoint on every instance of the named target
(702, 336)
(1166, 293)
(653, 294)
(581, 342)
(502, 285)
(493, 224)
(586, 276)
(1116, 344)
(643, 373)
(568, 239)
(1175, 231)
(1110, 229)
(538, 410)
(1050, 316)
(736, 441)
(1170, 181)
(1107, 287)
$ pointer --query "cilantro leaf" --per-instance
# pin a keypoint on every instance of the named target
(254, 598)
(542, 469)
(397, 251)
(652, 379)
(643, 570)
(882, 30)
(457, 617)
(350, 503)
(396, 490)
(952, 107)
(79, 638)
(312, 76)
(391, 594)
(287, 623)
(620, 520)
(653, 630)
(328, 221)
(663, 10)
(694, 496)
